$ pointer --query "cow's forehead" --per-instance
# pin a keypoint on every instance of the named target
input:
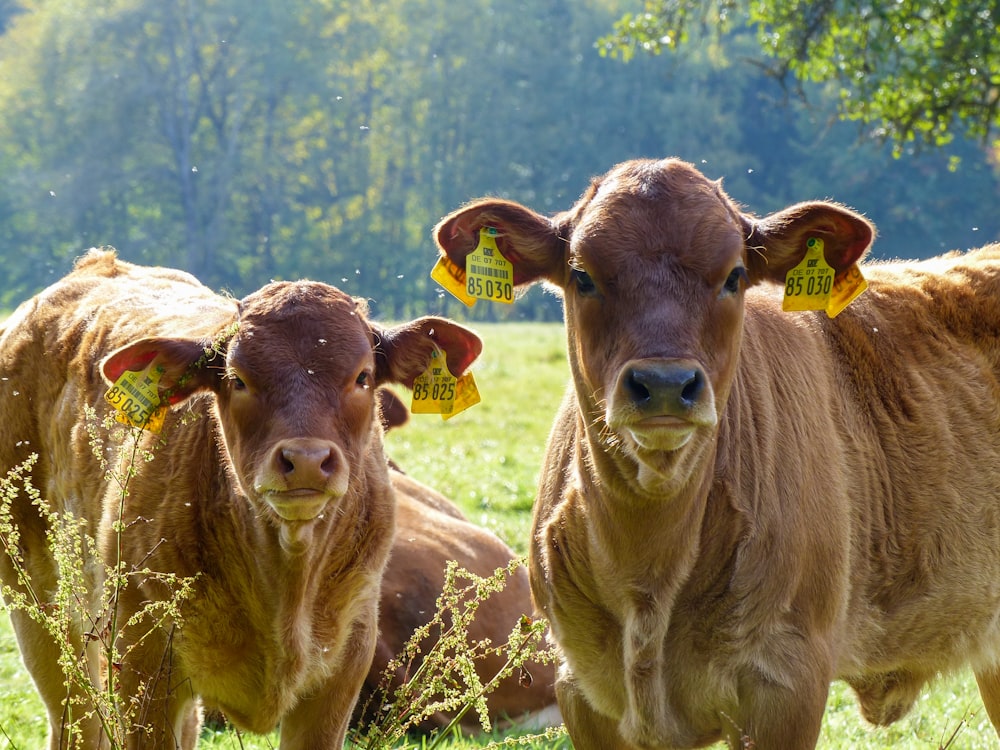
(302, 319)
(657, 210)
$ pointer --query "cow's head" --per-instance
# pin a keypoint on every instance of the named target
(294, 378)
(653, 262)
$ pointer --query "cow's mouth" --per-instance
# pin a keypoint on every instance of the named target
(298, 504)
(663, 433)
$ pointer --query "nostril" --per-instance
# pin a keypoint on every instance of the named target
(692, 390)
(635, 382)
(286, 461)
(329, 464)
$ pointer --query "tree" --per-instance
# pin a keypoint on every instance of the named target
(918, 70)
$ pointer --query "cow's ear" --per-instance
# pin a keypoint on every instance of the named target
(777, 243)
(403, 352)
(183, 361)
(529, 240)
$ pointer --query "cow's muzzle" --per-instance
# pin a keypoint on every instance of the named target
(660, 403)
(301, 476)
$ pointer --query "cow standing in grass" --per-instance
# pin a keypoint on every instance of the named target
(740, 504)
(268, 487)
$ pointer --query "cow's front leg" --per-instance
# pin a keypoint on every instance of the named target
(155, 698)
(774, 716)
(588, 729)
(319, 721)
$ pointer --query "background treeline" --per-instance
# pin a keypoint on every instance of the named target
(246, 141)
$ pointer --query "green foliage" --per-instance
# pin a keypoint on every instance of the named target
(919, 69)
(81, 614)
(251, 141)
(445, 678)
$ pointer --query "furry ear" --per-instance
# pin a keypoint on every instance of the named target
(403, 352)
(181, 359)
(529, 240)
(777, 243)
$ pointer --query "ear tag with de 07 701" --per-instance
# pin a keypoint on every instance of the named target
(437, 391)
(808, 285)
(488, 274)
(135, 397)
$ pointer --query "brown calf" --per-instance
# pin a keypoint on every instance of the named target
(740, 504)
(430, 532)
(268, 484)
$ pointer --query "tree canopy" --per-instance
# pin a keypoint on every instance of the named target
(324, 138)
(919, 71)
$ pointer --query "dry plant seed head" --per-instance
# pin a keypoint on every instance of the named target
(446, 679)
(80, 616)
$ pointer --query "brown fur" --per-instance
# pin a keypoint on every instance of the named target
(268, 483)
(821, 500)
(430, 531)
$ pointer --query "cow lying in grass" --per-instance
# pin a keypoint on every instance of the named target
(740, 504)
(268, 487)
(430, 532)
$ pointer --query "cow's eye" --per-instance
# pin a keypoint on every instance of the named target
(235, 380)
(584, 284)
(732, 285)
(364, 379)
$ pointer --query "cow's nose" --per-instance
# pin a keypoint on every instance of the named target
(307, 463)
(663, 387)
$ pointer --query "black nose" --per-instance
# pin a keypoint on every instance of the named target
(661, 387)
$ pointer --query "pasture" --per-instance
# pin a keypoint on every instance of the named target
(487, 460)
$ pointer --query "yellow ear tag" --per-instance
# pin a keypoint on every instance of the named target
(489, 275)
(437, 391)
(466, 395)
(808, 285)
(136, 399)
(846, 287)
(452, 278)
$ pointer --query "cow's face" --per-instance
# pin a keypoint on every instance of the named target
(294, 379)
(295, 396)
(653, 263)
(653, 300)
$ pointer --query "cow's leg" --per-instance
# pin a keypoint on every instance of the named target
(588, 729)
(778, 717)
(162, 712)
(989, 689)
(191, 726)
(41, 654)
(321, 720)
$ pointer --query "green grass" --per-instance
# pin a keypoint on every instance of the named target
(487, 459)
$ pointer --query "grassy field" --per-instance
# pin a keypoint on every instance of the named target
(487, 459)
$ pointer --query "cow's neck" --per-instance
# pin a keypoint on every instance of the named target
(632, 507)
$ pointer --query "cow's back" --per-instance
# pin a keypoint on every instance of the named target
(904, 464)
(50, 356)
(920, 373)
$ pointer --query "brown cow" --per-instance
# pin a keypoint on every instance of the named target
(430, 532)
(739, 504)
(268, 483)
